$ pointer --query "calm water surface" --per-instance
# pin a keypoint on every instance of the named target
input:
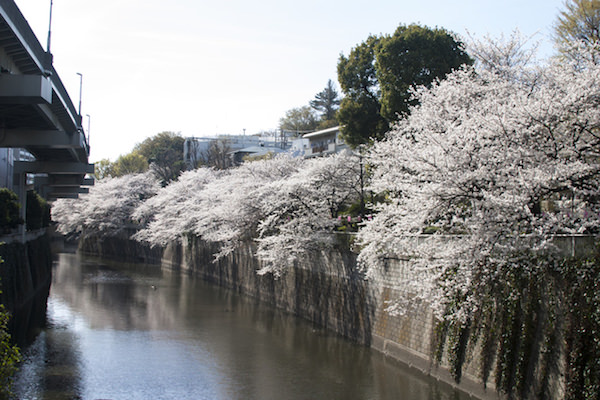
(119, 331)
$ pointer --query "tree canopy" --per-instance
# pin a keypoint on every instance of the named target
(131, 163)
(579, 21)
(378, 75)
(301, 119)
(103, 168)
(164, 152)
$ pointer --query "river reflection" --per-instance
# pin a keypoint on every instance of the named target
(119, 331)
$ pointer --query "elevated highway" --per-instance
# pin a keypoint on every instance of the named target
(37, 114)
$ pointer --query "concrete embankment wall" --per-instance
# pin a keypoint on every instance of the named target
(26, 270)
(325, 288)
(25, 277)
(121, 249)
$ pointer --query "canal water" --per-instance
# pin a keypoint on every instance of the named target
(119, 331)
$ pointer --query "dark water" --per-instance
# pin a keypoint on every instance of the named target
(118, 331)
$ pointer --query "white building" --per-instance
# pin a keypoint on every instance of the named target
(324, 142)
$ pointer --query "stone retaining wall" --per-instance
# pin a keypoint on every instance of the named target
(25, 277)
(326, 288)
(120, 248)
(26, 270)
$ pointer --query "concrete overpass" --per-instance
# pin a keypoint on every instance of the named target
(37, 114)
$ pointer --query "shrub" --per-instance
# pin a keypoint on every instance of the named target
(38, 211)
(9, 210)
(9, 356)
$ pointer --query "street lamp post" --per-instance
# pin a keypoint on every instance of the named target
(88, 129)
(80, 86)
(49, 28)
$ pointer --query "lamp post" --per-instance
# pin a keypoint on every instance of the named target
(49, 28)
(80, 86)
(88, 129)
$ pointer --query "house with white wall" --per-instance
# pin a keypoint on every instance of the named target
(324, 142)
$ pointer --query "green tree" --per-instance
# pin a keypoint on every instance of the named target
(132, 163)
(377, 77)
(103, 169)
(359, 109)
(414, 56)
(326, 102)
(301, 120)
(578, 22)
(165, 152)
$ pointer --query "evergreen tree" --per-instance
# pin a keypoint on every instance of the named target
(359, 110)
(378, 75)
(326, 102)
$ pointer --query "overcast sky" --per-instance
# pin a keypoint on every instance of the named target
(218, 67)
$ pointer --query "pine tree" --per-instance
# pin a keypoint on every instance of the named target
(326, 102)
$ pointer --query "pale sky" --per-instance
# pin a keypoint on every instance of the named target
(203, 68)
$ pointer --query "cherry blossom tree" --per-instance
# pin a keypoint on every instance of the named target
(289, 205)
(482, 178)
(174, 211)
(107, 210)
(235, 201)
(301, 212)
(216, 206)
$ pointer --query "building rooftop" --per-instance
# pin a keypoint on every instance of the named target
(323, 132)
